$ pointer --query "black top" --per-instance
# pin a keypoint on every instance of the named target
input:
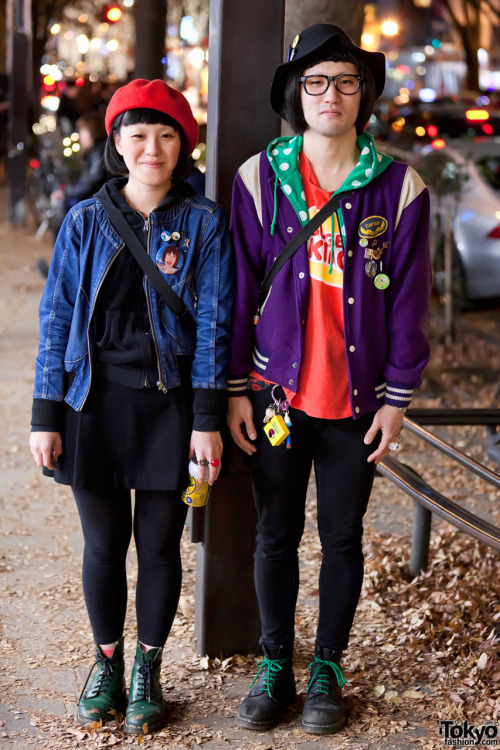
(125, 347)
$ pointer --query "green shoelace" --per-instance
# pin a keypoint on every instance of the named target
(270, 667)
(322, 675)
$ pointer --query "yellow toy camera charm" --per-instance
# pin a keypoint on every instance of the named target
(276, 430)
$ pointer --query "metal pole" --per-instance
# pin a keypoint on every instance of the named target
(246, 43)
(487, 416)
(462, 458)
(420, 539)
(448, 277)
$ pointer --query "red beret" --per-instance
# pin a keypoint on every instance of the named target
(143, 94)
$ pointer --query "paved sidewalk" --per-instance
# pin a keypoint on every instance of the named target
(45, 640)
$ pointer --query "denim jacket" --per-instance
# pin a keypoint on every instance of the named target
(84, 252)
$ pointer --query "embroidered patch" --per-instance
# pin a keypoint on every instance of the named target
(373, 226)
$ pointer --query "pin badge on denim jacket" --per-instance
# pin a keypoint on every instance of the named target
(170, 257)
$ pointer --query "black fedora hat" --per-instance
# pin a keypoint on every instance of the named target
(322, 37)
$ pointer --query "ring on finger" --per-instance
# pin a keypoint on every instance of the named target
(394, 446)
(203, 462)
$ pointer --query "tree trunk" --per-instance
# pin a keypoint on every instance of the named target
(470, 40)
(470, 34)
(150, 33)
(303, 13)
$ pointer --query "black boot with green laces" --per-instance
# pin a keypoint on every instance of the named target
(272, 690)
(106, 693)
(146, 709)
(324, 710)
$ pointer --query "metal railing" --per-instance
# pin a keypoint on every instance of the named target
(427, 499)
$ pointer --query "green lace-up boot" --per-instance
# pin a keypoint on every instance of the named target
(146, 710)
(107, 689)
(272, 690)
(323, 710)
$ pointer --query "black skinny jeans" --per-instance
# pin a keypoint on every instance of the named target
(158, 523)
(344, 480)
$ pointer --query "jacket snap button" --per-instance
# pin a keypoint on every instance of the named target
(352, 348)
(351, 300)
(294, 364)
(301, 275)
(357, 409)
(289, 230)
(348, 205)
(355, 391)
(290, 382)
(350, 253)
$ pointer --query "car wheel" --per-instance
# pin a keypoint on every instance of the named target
(458, 281)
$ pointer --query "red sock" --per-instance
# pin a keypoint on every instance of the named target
(108, 651)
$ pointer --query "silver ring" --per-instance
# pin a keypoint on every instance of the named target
(203, 462)
(393, 446)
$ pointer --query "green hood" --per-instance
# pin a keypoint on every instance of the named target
(283, 154)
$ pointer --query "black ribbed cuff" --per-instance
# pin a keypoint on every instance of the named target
(47, 414)
(209, 409)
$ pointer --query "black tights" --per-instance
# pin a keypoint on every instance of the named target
(158, 522)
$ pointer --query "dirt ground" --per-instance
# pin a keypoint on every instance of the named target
(423, 651)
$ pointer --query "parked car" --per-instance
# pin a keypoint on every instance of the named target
(464, 178)
(415, 125)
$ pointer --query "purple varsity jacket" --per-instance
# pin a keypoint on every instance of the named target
(385, 341)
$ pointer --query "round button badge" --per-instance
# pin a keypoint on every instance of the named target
(381, 281)
(363, 242)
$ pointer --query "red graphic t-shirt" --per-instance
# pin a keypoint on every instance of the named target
(323, 389)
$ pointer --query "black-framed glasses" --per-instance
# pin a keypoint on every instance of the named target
(345, 83)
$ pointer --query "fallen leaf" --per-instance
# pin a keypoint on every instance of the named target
(481, 662)
(413, 694)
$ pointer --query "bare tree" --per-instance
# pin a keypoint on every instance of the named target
(467, 17)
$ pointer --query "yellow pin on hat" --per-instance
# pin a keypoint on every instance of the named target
(291, 49)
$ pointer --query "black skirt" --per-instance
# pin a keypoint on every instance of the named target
(127, 438)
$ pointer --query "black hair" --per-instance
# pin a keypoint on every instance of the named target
(114, 161)
(292, 107)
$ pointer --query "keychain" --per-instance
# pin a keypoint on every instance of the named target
(270, 413)
(288, 422)
(277, 421)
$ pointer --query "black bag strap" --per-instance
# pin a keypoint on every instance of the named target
(291, 247)
(127, 234)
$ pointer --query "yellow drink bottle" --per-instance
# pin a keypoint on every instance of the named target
(196, 493)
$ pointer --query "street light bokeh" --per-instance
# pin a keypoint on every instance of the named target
(389, 28)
